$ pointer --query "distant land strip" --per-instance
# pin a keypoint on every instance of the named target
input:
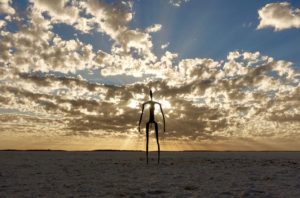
(115, 150)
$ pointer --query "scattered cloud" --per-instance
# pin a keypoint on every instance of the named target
(6, 8)
(247, 25)
(154, 28)
(58, 10)
(47, 51)
(279, 16)
(178, 3)
(164, 46)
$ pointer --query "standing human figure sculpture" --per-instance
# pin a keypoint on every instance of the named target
(152, 121)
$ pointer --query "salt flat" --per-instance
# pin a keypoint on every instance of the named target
(125, 174)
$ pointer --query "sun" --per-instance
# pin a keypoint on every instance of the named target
(134, 104)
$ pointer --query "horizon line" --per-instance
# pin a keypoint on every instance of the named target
(117, 150)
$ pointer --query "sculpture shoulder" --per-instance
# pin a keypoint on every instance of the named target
(156, 103)
(151, 103)
(148, 102)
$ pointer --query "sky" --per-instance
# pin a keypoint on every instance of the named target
(74, 74)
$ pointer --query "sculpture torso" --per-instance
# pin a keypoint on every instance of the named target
(151, 111)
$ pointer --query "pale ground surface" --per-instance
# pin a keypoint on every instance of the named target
(125, 174)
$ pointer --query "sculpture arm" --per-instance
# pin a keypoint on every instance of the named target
(141, 117)
(163, 115)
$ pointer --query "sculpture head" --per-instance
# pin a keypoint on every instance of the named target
(151, 94)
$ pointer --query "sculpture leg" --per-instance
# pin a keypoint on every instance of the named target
(158, 147)
(147, 140)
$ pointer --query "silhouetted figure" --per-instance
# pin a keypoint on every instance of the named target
(152, 121)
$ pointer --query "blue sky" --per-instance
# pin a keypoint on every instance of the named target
(214, 28)
(201, 29)
(205, 29)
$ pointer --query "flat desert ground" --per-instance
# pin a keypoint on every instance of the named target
(125, 174)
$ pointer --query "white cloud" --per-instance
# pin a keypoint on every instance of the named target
(131, 47)
(178, 3)
(233, 55)
(36, 48)
(280, 16)
(6, 8)
(164, 46)
(154, 28)
(2, 24)
(58, 10)
(113, 20)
